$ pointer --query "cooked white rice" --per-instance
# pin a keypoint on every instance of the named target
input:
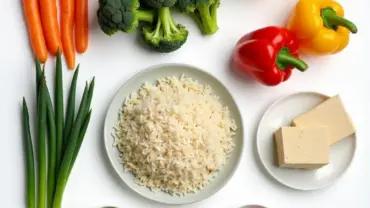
(174, 136)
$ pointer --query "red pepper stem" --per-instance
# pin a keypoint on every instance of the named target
(285, 59)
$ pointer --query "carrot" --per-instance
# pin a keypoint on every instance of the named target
(81, 25)
(49, 19)
(37, 39)
(67, 20)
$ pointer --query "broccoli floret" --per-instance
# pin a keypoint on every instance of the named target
(167, 36)
(160, 3)
(204, 12)
(121, 15)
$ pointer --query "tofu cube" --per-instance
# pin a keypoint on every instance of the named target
(302, 147)
(330, 113)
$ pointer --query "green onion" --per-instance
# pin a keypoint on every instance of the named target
(80, 140)
(70, 109)
(38, 76)
(68, 155)
(59, 109)
(52, 168)
(42, 150)
(57, 150)
(90, 95)
(84, 125)
(30, 194)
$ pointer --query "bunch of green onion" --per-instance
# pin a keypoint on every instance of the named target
(58, 139)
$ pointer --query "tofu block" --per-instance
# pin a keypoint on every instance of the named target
(330, 113)
(302, 147)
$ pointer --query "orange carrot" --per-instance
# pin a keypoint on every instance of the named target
(49, 19)
(82, 25)
(67, 20)
(37, 39)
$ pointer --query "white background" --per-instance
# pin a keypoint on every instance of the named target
(115, 59)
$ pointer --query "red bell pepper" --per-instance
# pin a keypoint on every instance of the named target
(268, 54)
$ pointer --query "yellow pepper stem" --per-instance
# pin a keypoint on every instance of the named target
(285, 59)
(332, 20)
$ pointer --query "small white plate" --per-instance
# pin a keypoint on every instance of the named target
(150, 75)
(281, 113)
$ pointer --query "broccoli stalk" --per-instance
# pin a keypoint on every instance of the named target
(207, 16)
(167, 36)
(169, 26)
(204, 13)
(145, 15)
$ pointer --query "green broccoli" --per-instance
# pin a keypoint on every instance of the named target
(166, 36)
(121, 15)
(160, 3)
(204, 12)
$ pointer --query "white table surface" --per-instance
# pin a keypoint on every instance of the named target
(115, 59)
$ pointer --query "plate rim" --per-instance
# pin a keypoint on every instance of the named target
(271, 106)
(158, 66)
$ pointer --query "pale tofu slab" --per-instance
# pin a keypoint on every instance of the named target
(330, 113)
(302, 147)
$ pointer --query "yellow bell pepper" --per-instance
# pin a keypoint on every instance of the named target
(320, 26)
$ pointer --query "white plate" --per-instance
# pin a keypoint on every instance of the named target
(150, 75)
(281, 113)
